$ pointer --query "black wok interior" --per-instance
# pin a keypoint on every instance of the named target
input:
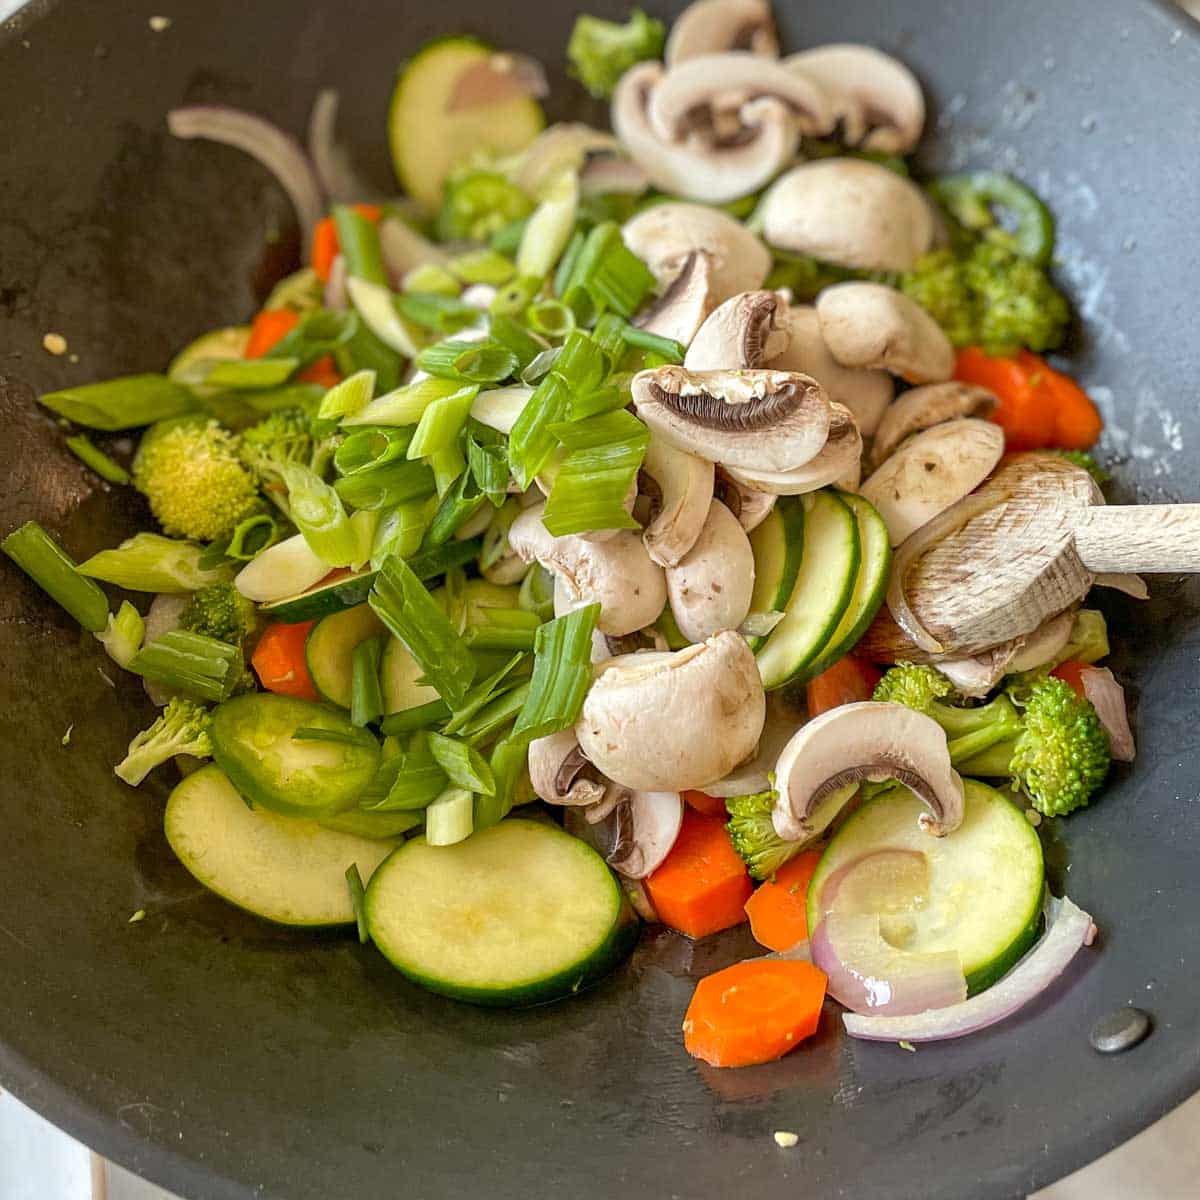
(227, 1059)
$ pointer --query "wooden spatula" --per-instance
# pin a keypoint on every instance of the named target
(1037, 552)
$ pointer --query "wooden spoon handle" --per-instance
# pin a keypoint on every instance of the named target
(1146, 538)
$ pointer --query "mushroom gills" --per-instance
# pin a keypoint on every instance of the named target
(636, 831)
(709, 589)
(765, 420)
(560, 772)
(680, 311)
(827, 759)
(931, 471)
(679, 488)
(746, 331)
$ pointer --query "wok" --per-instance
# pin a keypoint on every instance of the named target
(225, 1058)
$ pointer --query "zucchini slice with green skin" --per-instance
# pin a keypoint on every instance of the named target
(870, 586)
(520, 913)
(983, 892)
(428, 141)
(824, 585)
(778, 544)
(329, 596)
(329, 650)
(284, 869)
(398, 675)
(227, 343)
(253, 744)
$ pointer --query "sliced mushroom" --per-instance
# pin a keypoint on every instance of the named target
(749, 505)
(871, 325)
(837, 463)
(748, 330)
(754, 775)
(604, 174)
(617, 574)
(572, 146)
(865, 393)
(710, 26)
(636, 831)
(922, 408)
(680, 487)
(680, 311)
(860, 742)
(1044, 644)
(702, 90)
(709, 588)
(560, 772)
(850, 212)
(932, 471)
(667, 722)
(877, 97)
(767, 420)
(665, 235)
(975, 677)
(703, 167)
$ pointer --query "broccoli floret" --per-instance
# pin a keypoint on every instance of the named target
(1018, 305)
(220, 611)
(938, 284)
(1062, 754)
(181, 729)
(752, 833)
(969, 730)
(285, 438)
(194, 480)
(600, 52)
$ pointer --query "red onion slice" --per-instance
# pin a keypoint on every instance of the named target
(919, 543)
(331, 162)
(869, 975)
(1108, 698)
(279, 152)
(873, 882)
(1067, 929)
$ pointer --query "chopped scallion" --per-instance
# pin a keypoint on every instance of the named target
(562, 674)
(514, 297)
(549, 228)
(317, 512)
(348, 398)
(669, 350)
(440, 559)
(401, 529)
(123, 403)
(366, 696)
(92, 456)
(610, 272)
(436, 311)
(442, 422)
(193, 663)
(405, 405)
(483, 266)
(421, 716)
(457, 507)
(386, 486)
(450, 818)
(358, 901)
(54, 571)
(149, 562)
(473, 362)
(245, 375)
(370, 447)
(515, 337)
(502, 629)
(464, 766)
(358, 240)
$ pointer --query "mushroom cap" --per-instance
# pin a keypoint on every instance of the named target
(556, 766)
(850, 212)
(865, 741)
(749, 330)
(837, 463)
(711, 26)
(617, 573)
(931, 471)
(923, 407)
(865, 393)
(683, 484)
(872, 325)
(877, 96)
(709, 589)
(664, 235)
(749, 505)
(681, 310)
(702, 167)
(667, 722)
(765, 420)
(701, 87)
(632, 831)
(564, 146)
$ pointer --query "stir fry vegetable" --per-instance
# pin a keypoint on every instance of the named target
(538, 487)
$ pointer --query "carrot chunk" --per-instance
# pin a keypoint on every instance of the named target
(702, 802)
(279, 661)
(702, 885)
(778, 909)
(753, 1012)
(847, 681)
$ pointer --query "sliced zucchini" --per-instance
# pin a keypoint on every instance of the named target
(329, 650)
(520, 913)
(777, 542)
(870, 586)
(398, 675)
(253, 744)
(216, 344)
(329, 596)
(288, 870)
(428, 140)
(824, 585)
(978, 890)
